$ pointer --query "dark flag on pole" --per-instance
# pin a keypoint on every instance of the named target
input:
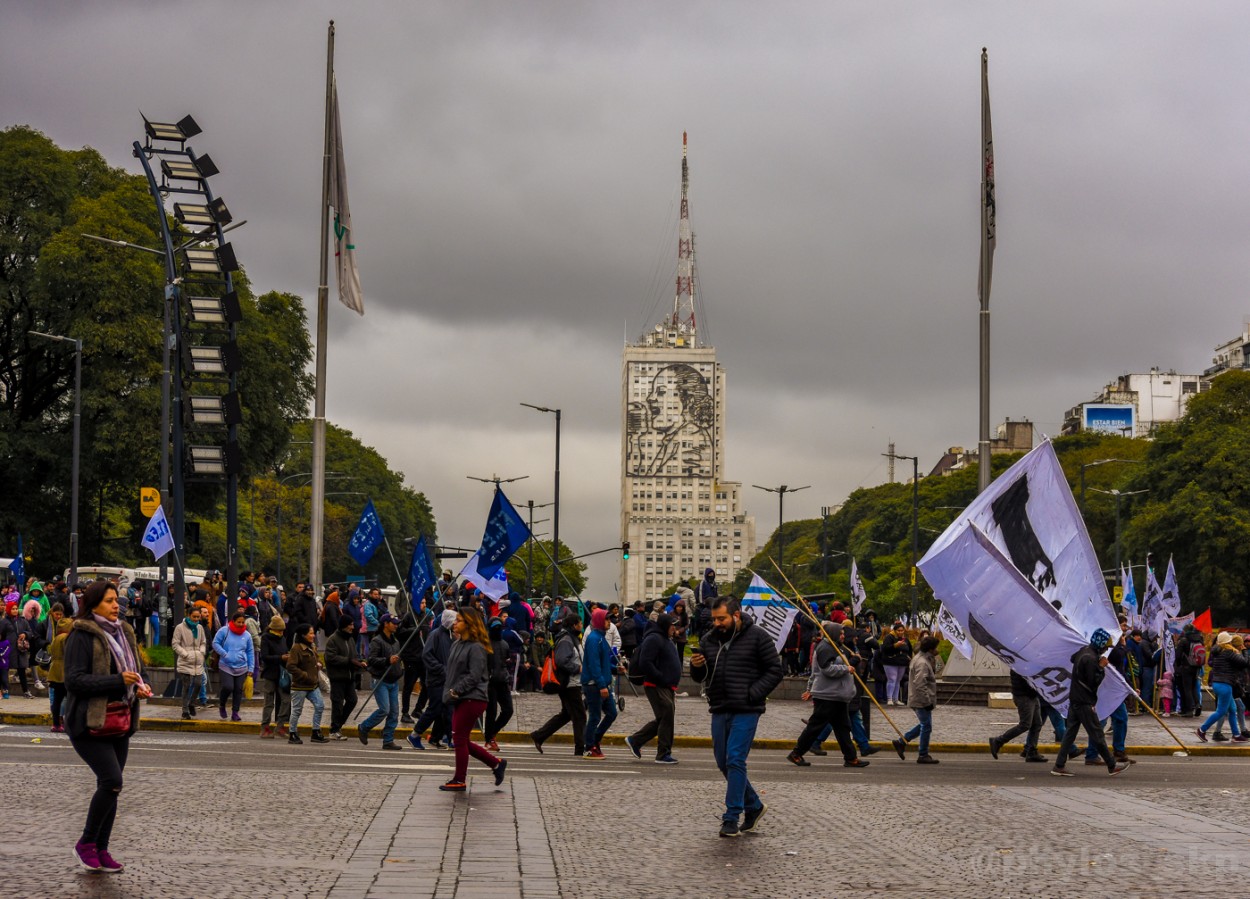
(368, 537)
(505, 534)
(18, 567)
(420, 572)
(988, 204)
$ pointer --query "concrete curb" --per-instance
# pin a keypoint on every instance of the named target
(177, 725)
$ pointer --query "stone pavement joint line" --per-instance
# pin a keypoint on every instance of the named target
(487, 842)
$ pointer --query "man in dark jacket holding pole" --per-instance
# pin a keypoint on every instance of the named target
(1088, 663)
(657, 663)
(738, 666)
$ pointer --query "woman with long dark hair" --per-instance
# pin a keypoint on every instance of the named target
(468, 672)
(104, 683)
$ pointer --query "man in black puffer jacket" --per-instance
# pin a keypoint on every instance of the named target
(739, 666)
(1088, 663)
(656, 661)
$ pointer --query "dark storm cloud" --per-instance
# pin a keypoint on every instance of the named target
(513, 170)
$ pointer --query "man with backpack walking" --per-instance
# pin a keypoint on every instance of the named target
(566, 658)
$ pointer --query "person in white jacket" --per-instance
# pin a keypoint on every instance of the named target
(190, 642)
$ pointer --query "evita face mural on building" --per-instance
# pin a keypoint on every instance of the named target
(670, 420)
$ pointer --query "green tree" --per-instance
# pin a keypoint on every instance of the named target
(572, 572)
(1198, 507)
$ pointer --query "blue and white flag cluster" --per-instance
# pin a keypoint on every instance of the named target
(505, 533)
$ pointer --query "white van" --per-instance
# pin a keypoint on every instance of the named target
(122, 577)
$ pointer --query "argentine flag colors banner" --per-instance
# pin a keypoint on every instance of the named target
(768, 610)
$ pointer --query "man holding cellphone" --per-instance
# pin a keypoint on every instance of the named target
(739, 666)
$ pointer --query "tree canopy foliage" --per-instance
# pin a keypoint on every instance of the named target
(52, 279)
(1197, 510)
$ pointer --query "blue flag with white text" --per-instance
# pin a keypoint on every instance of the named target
(368, 537)
(420, 572)
(505, 534)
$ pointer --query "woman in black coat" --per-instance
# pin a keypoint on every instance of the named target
(104, 682)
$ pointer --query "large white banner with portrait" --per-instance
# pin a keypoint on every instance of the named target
(999, 608)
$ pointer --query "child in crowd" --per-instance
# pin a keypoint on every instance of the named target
(1166, 693)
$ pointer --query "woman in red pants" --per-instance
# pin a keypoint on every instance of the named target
(468, 673)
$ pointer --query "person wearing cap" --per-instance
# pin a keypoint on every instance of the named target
(387, 669)
(1226, 667)
(274, 653)
(190, 645)
(342, 663)
(437, 649)
(830, 687)
(657, 663)
(598, 669)
(1088, 663)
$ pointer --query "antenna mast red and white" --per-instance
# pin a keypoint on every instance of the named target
(683, 302)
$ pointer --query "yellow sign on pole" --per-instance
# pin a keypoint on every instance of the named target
(149, 500)
(1117, 594)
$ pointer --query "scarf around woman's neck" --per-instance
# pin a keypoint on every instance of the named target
(118, 645)
(194, 627)
(236, 628)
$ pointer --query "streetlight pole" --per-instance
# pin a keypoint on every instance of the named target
(824, 548)
(73, 509)
(555, 512)
(781, 516)
(1117, 494)
(529, 577)
(1085, 465)
(915, 524)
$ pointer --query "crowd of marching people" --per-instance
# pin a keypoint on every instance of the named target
(453, 663)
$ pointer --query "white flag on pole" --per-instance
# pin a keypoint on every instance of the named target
(768, 610)
(954, 631)
(858, 595)
(1171, 601)
(496, 587)
(156, 535)
(1030, 516)
(996, 605)
(1152, 611)
(344, 241)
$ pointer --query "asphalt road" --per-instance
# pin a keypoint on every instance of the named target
(207, 752)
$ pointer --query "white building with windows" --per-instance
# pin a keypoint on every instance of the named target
(678, 513)
(1156, 397)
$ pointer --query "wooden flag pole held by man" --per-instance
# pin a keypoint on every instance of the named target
(802, 606)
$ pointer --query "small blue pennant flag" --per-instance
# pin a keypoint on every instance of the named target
(420, 572)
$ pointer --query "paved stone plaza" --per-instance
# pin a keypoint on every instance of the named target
(230, 816)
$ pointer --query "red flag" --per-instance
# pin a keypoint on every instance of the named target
(1203, 622)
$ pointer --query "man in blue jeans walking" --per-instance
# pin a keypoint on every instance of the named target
(386, 666)
(739, 666)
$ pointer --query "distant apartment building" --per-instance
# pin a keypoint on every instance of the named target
(1010, 437)
(1134, 405)
(1231, 356)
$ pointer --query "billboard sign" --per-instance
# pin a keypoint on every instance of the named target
(1109, 418)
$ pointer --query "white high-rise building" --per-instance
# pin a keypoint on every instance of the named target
(678, 513)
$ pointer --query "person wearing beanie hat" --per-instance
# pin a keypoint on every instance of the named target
(568, 662)
(1088, 664)
(274, 653)
(657, 666)
(8, 641)
(1227, 666)
(434, 656)
(598, 668)
(342, 662)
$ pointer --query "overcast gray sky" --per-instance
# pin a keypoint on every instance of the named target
(514, 171)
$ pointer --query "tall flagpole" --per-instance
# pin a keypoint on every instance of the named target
(323, 295)
(987, 262)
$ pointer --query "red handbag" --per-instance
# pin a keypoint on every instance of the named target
(116, 721)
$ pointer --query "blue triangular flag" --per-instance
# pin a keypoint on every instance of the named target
(505, 534)
(368, 537)
(420, 572)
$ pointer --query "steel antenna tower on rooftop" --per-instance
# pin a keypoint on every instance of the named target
(683, 301)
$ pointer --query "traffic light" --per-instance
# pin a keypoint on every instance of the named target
(625, 550)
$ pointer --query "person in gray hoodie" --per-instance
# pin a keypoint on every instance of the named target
(830, 687)
(435, 716)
